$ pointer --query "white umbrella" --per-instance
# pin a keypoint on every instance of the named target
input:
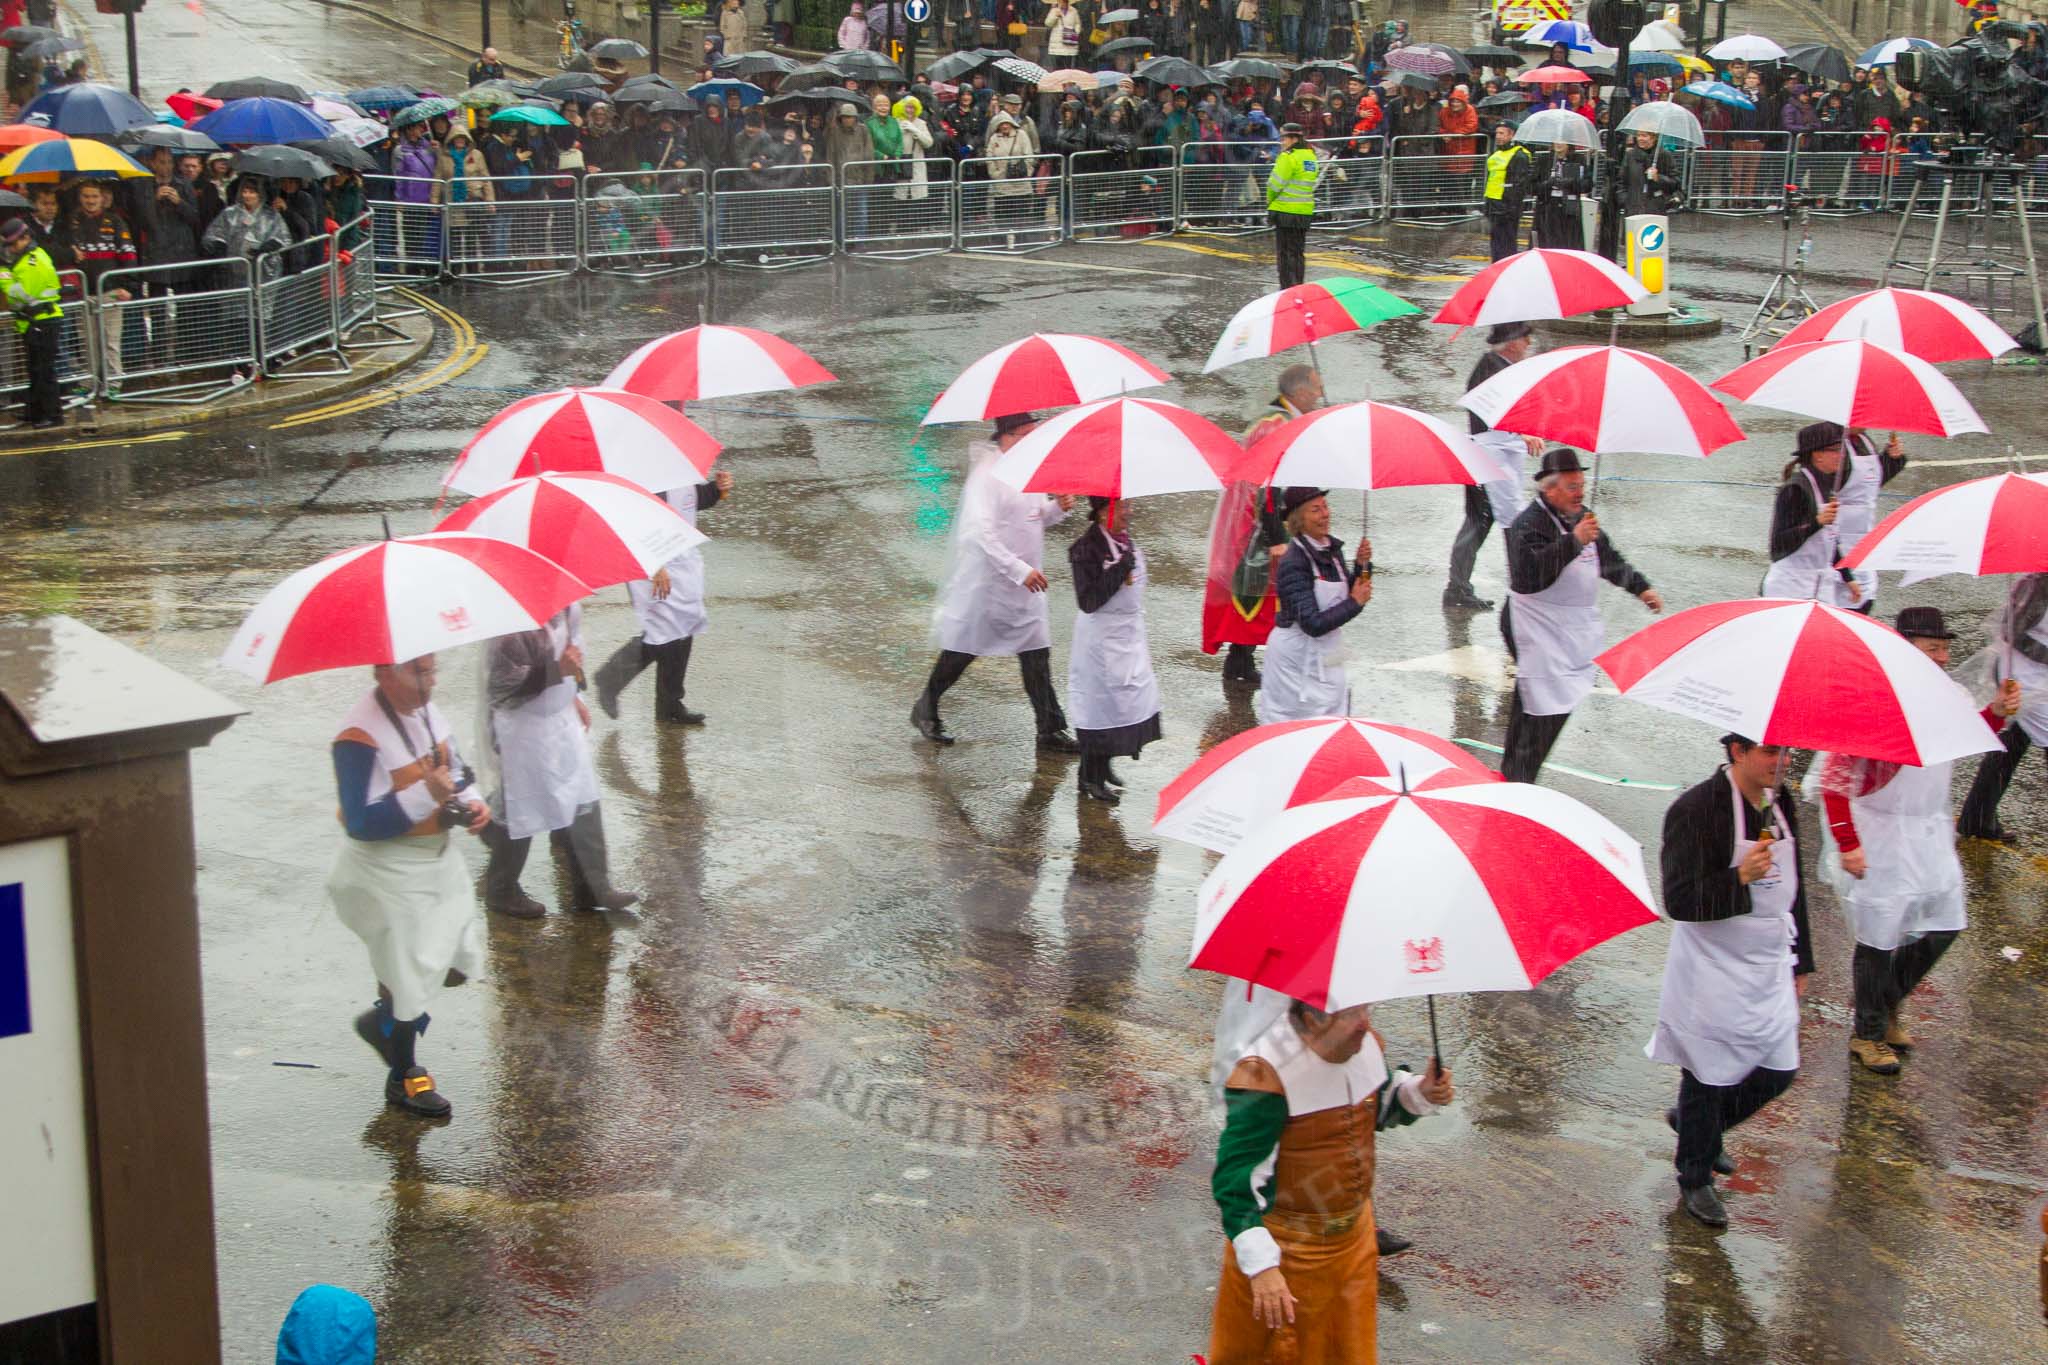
(1746, 47)
(1665, 119)
(1659, 37)
(1546, 126)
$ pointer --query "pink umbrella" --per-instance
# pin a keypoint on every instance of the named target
(1366, 445)
(708, 361)
(589, 430)
(1458, 884)
(1121, 448)
(1044, 370)
(1257, 773)
(1798, 673)
(1856, 384)
(599, 527)
(1605, 398)
(1934, 327)
(1548, 282)
(1984, 526)
(1554, 75)
(395, 600)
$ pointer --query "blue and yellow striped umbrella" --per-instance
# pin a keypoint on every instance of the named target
(70, 158)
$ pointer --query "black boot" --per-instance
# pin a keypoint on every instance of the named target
(1092, 785)
(1391, 1243)
(671, 666)
(1240, 667)
(408, 1086)
(925, 717)
(614, 673)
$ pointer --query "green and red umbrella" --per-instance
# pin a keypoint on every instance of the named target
(1306, 313)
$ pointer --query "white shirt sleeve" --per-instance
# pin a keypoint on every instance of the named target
(1256, 1251)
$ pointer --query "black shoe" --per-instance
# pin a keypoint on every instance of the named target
(925, 717)
(1724, 1164)
(415, 1094)
(614, 899)
(1057, 742)
(1249, 678)
(1391, 1243)
(1096, 791)
(1704, 1203)
(519, 906)
(1110, 777)
(1464, 599)
(1997, 834)
(370, 1028)
(607, 692)
(682, 715)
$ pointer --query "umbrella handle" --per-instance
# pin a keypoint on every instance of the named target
(1436, 1052)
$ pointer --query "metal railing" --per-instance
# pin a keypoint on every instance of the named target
(1120, 196)
(298, 309)
(1351, 183)
(512, 230)
(776, 226)
(77, 367)
(1223, 187)
(1739, 172)
(897, 210)
(177, 333)
(410, 228)
(647, 224)
(1011, 205)
(1435, 178)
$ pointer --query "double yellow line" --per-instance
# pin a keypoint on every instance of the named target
(467, 351)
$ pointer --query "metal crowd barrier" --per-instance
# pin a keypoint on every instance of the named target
(409, 229)
(1436, 177)
(774, 227)
(647, 224)
(1739, 172)
(1351, 180)
(1011, 205)
(1223, 187)
(298, 309)
(886, 213)
(1120, 196)
(77, 371)
(1838, 177)
(184, 333)
(518, 235)
(1964, 196)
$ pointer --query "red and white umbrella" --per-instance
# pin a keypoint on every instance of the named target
(599, 527)
(589, 431)
(1856, 384)
(715, 362)
(1121, 448)
(1798, 673)
(1920, 322)
(1548, 282)
(1044, 370)
(1303, 314)
(1372, 893)
(1366, 445)
(1605, 398)
(394, 600)
(1984, 526)
(1554, 75)
(1257, 773)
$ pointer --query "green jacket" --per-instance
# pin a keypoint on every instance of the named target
(1291, 188)
(32, 288)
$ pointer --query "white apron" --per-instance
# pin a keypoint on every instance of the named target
(1110, 682)
(1304, 674)
(680, 615)
(1508, 494)
(1557, 633)
(1856, 511)
(1809, 572)
(1913, 882)
(1728, 1004)
(2032, 677)
(543, 754)
(985, 609)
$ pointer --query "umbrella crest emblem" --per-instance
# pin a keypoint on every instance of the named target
(455, 620)
(256, 644)
(1425, 955)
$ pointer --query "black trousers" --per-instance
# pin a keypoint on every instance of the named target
(1530, 740)
(39, 348)
(671, 663)
(1471, 535)
(1502, 233)
(1034, 664)
(1884, 977)
(1706, 1112)
(1239, 662)
(1290, 245)
(1994, 775)
(582, 848)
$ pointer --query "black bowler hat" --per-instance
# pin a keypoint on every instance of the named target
(1504, 332)
(1015, 421)
(1559, 460)
(1819, 436)
(1294, 495)
(1924, 623)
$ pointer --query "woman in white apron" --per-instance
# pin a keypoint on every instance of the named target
(1318, 592)
(1805, 543)
(1557, 555)
(1867, 472)
(670, 607)
(1502, 498)
(2017, 651)
(1112, 694)
(1891, 851)
(1739, 955)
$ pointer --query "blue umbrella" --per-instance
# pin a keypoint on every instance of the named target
(1721, 92)
(88, 110)
(384, 97)
(1654, 63)
(1887, 52)
(748, 92)
(1570, 32)
(261, 119)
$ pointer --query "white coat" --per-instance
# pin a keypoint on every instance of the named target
(985, 609)
(681, 614)
(916, 139)
(543, 750)
(1110, 682)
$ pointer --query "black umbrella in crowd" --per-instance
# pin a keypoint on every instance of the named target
(42, 49)
(277, 160)
(1247, 68)
(747, 65)
(863, 65)
(171, 136)
(543, 102)
(617, 50)
(1506, 99)
(805, 77)
(649, 78)
(10, 200)
(21, 35)
(821, 98)
(340, 153)
(642, 94)
(1116, 46)
(950, 67)
(568, 82)
(1412, 80)
(1172, 71)
(1819, 61)
(1343, 71)
(672, 102)
(1493, 54)
(255, 87)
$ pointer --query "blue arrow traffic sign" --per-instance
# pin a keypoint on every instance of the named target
(917, 11)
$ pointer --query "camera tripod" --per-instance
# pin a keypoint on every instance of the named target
(1973, 187)
(1786, 300)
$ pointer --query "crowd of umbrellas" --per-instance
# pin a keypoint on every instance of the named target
(1351, 848)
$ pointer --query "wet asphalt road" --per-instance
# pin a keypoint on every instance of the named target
(900, 1060)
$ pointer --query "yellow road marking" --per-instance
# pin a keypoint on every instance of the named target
(459, 361)
(1325, 259)
(147, 438)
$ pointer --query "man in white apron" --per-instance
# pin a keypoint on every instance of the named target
(2019, 651)
(398, 883)
(539, 733)
(1112, 692)
(1866, 472)
(1502, 498)
(1806, 546)
(1896, 848)
(994, 601)
(1738, 963)
(1557, 555)
(670, 607)
(1318, 591)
